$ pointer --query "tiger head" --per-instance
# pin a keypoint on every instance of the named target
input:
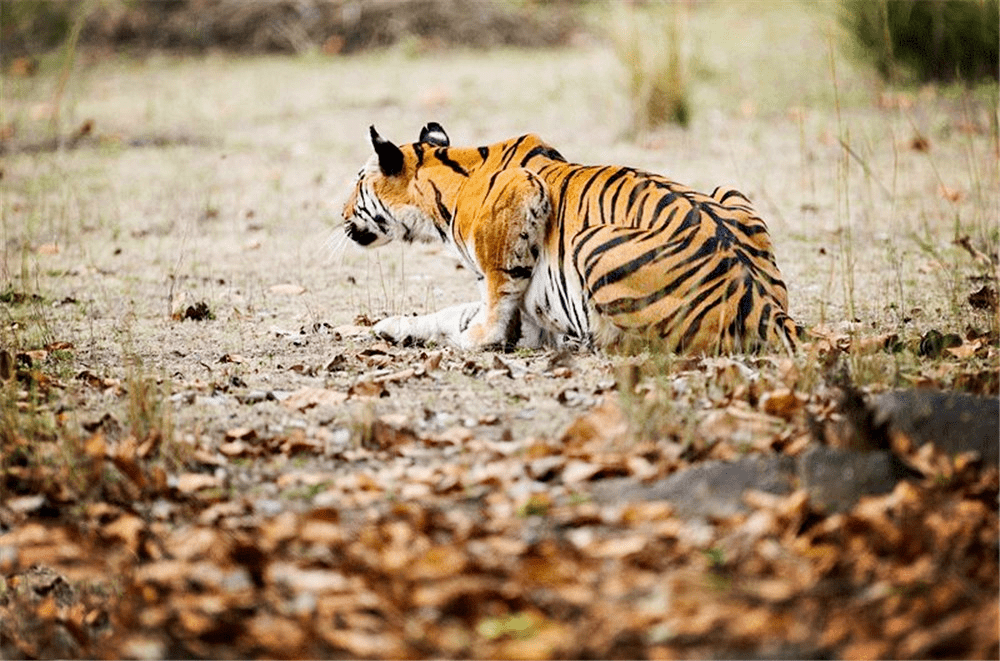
(385, 203)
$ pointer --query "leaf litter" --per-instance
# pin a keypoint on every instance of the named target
(402, 535)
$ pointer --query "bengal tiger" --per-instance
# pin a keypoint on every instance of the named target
(572, 255)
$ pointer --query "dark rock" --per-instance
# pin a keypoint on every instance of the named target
(836, 479)
(953, 422)
(712, 489)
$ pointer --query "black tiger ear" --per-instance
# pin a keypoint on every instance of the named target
(433, 134)
(390, 158)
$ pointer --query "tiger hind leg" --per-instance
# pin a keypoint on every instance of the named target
(682, 293)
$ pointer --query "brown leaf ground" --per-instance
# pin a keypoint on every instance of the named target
(206, 454)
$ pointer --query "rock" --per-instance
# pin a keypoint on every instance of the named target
(712, 489)
(835, 479)
(954, 422)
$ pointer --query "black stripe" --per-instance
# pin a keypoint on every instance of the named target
(664, 202)
(628, 268)
(625, 305)
(511, 151)
(442, 155)
(493, 179)
(563, 285)
(661, 227)
(691, 219)
(765, 321)
(484, 153)
(582, 241)
(519, 272)
(586, 187)
(418, 149)
(625, 235)
(442, 209)
(541, 150)
(619, 174)
(731, 192)
(634, 195)
(694, 323)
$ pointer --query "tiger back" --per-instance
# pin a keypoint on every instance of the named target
(569, 254)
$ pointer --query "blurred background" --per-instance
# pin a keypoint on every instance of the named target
(905, 41)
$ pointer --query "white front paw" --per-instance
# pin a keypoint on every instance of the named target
(393, 329)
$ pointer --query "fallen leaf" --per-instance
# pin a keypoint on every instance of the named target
(966, 349)
(604, 422)
(979, 256)
(241, 434)
(920, 143)
(6, 365)
(984, 299)
(950, 194)
(433, 361)
(934, 342)
(287, 289)
(188, 483)
(782, 403)
(368, 389)
(310, 397)
(579, 471)
(235, 449)
(127, 529)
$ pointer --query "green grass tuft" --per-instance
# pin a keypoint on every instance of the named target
(927, 40)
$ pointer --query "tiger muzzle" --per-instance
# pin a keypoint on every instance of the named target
(360, 235)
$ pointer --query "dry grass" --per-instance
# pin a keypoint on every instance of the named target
(649, 41)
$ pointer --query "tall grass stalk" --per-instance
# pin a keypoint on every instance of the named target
(844, 222)
(69, 58)
(648, 41)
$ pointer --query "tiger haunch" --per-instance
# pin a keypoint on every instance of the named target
(567, 254)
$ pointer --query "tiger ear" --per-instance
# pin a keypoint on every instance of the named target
(390, 157)
(434, 135)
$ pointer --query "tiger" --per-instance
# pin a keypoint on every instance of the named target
(569, 255)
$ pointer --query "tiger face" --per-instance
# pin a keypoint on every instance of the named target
(383, 205)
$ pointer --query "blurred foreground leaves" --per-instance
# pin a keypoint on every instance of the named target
(396, 542)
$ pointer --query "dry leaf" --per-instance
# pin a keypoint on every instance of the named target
(984, 299)
(920, 143)
(287, 289)
(368, 389)
(782, 403)
(309, 397)
(966, 350)
(950, 194)
(188, 483)
(605, 422)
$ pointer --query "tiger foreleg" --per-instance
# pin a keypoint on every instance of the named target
(504, 236)
(442, 327)
(446, 326)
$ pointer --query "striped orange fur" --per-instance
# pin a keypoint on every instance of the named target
(569, 254)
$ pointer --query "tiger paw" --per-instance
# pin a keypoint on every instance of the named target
(392, 329)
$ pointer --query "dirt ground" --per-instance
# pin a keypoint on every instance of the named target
(287, 432)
